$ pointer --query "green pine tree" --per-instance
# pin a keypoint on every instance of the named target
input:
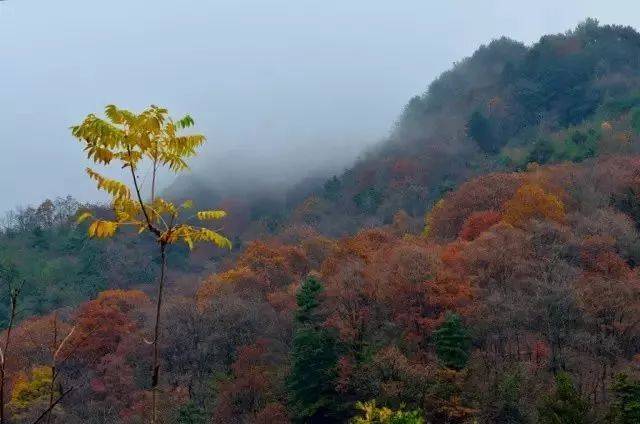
(453, 343)
(313, 360)
(509, 411)
(481, 131)
(626, 404)
(189, 413)
(565, 405)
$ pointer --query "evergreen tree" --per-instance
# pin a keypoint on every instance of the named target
(635, 120)
(565, 405)
(509, 396)
(453, 343)
(542, 152)
(480, 130)
(313, 360)
(626, 405)
(333, 188)
(39, 238)
(189, 413)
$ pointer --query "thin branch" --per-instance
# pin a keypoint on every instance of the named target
(55, 355)
(53, 405)
(152, 228)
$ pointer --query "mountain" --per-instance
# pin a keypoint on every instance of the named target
(478, 265)
(567, 97)
(505, 106)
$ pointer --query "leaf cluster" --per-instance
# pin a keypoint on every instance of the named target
(130, 140)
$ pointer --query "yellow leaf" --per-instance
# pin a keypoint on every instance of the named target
(102, 229)
(205, 215)
(83, 217)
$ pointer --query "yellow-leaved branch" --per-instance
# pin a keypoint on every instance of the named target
(131, 141)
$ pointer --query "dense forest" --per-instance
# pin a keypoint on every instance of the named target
(481, 265)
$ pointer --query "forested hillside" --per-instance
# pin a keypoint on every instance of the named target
(478, 266)
(566, 98)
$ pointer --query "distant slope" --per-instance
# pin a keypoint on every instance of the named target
(566, 98)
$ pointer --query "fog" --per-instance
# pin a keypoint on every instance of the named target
(282, 89)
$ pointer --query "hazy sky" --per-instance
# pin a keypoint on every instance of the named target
(275, 85)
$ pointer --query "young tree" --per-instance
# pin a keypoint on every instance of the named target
(131, 140)
(626, 404)
(374, 414)
(452, 342)
(59, 353)
(314, 360)
(509, 411)
(565, 405)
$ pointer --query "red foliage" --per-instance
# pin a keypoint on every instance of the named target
(485, 193)
(477, 223)
(32, 341)
(597, 255)
(541, 351)
(103, 323)
(250, 392)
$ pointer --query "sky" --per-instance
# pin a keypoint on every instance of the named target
(280, 88)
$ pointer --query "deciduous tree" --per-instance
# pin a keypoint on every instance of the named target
(533, 202)
(129, 140)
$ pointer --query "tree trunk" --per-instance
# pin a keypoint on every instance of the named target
(156, 335)
(54, 347)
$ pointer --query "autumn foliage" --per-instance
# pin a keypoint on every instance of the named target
(533, 202)
(477, 223)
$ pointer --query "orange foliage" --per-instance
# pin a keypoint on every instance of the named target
(275, 265)
(485, 193)
(241, 280)
(533, 202)
(270, 268)
(376, 278)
